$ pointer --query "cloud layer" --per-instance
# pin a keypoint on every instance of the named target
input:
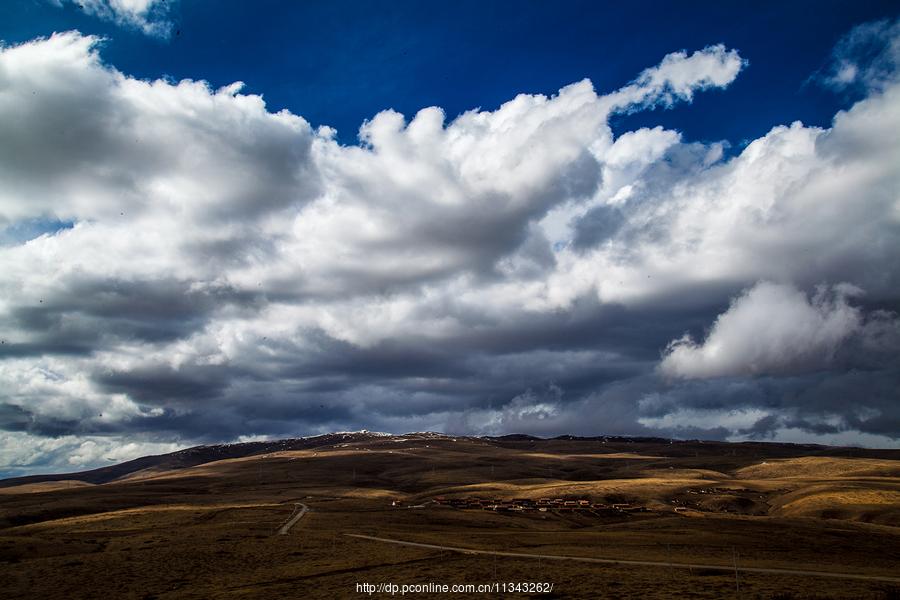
(179, 264)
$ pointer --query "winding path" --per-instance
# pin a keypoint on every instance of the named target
(300, 509)
(646, 563)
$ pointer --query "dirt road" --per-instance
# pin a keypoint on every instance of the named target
(300, 509)
(646, 563)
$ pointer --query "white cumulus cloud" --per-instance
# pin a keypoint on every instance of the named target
(774, 328)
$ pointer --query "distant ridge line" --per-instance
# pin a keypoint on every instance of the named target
(198, 455)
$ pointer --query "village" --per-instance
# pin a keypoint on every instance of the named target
(514, 505)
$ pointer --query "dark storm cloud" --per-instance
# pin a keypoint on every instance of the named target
(78, 315)
(340, 383)
(387, 360)
(827, 402)
(14, 418)
(164, 384)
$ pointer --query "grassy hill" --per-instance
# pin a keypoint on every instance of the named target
(202, 522)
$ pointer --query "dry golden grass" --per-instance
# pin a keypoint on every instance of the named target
(45, 486)
(820, 467)
(209, 531)
(607, 456)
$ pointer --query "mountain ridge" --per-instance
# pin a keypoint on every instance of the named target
(206, 453)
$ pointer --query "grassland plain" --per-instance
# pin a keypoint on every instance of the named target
(203, 523)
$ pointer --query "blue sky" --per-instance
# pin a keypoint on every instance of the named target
(558, 218)
(338, 63)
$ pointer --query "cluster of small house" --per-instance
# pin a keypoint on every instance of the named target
(540, 504)
(719, 490)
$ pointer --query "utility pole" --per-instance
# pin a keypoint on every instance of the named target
(669, 555)
(737, 581)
